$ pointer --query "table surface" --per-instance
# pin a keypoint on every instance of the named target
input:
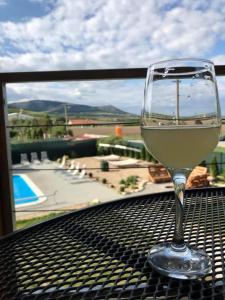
(100, 252)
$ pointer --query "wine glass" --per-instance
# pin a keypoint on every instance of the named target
(180, 125)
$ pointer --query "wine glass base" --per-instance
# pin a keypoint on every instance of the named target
(179, 262)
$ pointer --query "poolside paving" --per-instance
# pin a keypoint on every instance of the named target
(64, 194)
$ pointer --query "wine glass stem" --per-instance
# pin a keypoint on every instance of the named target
(179, 181)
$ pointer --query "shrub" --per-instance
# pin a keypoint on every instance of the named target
(112, 186)
(127, 184)
(70, 132)
(122, 189)
(214, 171)
(203, 163)
(104, 165)
(127, 152)
(132, 180)
(104, 180)
(143, 153)
(148, 156)
(134, 187)
(132, 154)
(137, 155)
(122, 181)
(222, 175)
(111, 140)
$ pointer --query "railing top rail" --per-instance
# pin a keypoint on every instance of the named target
(78, 75)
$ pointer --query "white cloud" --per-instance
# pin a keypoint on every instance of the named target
(110, 34)
(3, 2)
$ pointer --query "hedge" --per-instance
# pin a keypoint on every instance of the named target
(55, 149)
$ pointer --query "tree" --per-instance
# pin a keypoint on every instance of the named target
(40, 133)
(214, 171)
(58, 131)
(137, 155)
(13, 133)
(34, 133)
(29, 134)
(60, 121)
(47, 122)
(143, 153)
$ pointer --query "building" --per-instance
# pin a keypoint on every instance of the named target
(19, 116)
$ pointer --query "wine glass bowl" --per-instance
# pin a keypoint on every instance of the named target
(180, 125)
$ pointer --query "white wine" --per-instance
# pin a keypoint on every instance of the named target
(180, 147)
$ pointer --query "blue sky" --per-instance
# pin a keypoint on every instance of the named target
(86, 34)
(22, 10)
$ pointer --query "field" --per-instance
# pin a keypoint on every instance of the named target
(131, 132)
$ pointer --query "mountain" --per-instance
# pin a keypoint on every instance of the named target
(58, 107)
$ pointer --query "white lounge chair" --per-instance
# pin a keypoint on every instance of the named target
(63, 162)
(34, 158)
(81, 177)
(24, 159)
(111, 157)
(44, 157)
(82, 174)
(131, 162)
(73, 171)
(72, 166)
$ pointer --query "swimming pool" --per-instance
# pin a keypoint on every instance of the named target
(25, 192)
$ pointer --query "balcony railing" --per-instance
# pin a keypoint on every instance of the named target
(6, 198)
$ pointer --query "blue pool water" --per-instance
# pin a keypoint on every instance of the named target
(23, 194)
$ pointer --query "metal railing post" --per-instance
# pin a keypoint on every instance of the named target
(6, 199)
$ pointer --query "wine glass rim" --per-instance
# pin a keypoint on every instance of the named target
(181, 59)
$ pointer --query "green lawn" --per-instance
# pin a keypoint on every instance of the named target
(27, 223)
(220, 149)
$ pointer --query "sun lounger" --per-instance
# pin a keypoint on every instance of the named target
(82, 174)
(82, 177)
(44, 157)
(72, 166)
(34, 158)
(68, 171)
(111, 157)
(125, 163)
(63, 162)
(24, 159)
(74, 170)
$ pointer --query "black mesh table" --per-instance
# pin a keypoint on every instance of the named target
(100, 252)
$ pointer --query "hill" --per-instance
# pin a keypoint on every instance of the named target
(57, 107)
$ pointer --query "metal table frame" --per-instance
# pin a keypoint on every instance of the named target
(100, 252)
